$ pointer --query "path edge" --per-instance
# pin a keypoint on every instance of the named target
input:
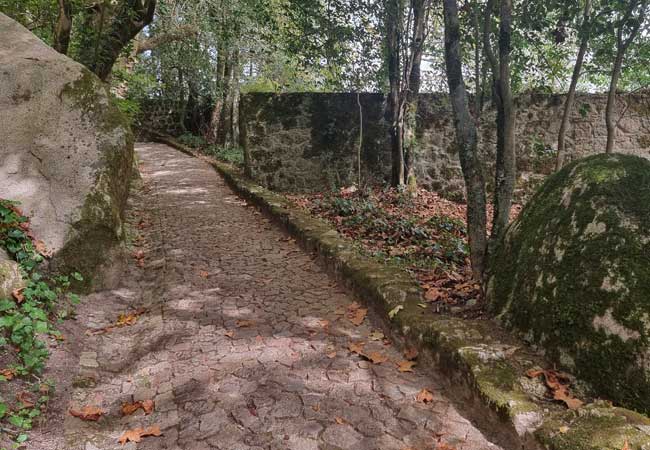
(476, 360)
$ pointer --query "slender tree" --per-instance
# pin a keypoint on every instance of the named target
(584, 34)
(467, 141)
(627, 29)
(63, 27)
(505, 170)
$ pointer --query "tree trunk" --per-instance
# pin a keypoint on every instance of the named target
(504, 180)
(570, 98)
(393, 23)
(467, 141)
(611, 100)
(419, 8)
(231, 75)
(215, 120)
(129, 18)
(621, 47)
(63, 27)
(478, 88)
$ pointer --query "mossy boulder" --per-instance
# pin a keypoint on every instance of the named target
(572, 274)
(66, 152)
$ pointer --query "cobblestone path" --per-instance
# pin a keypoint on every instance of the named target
(241, 341)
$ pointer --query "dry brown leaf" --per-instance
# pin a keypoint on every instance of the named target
(18, 295)
(411, 353)
(41, 248)
(433, 294)
(26, 398)
(376, 357)
(340, 420)
(356, 347)
(9, 374)
(244, 323)
(358, 316)
(558, 383)
(424, 396)
(376, 336)
(229, 333)
(129, 408)
(126, 319)
(136, 434)
(405, 366)
(91, 413)
(204, 274)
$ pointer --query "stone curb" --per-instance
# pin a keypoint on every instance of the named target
(484, 367)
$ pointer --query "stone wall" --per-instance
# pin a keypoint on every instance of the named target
(309, 141)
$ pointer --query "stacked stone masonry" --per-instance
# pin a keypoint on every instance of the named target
(309, 141)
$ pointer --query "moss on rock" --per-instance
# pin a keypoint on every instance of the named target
(573, 274)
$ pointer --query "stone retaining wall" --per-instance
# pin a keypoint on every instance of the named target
(309, 141)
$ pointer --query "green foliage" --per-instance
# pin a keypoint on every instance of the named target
(231, 155)
(27, 318)
(439, 241)
(192, 140)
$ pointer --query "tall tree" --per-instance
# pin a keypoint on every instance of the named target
(110, 28)
(627, 28)
(584, 32)
(505, 170)
(405, 35)
(63, 27)
(467, 141)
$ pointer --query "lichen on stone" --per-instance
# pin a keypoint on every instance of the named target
(573, 274)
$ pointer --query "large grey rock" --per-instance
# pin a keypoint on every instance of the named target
(573, 274)
(66, 152)
(10, 276)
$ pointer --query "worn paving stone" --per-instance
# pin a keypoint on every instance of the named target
(241, 346)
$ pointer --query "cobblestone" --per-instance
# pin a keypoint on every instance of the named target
(242, 345)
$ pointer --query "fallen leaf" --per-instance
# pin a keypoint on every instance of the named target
(9, 374)
(126, 319)
(229, 333)
(411, 353)
(405, 366)
(26, 398)
(340, 420)
(433, 294)
(204, 274)
(244, 323)
(136, 434)
(393, 312)
(558, 383)
(18, 295)
(376, 336)
(376, 357)
(41, 248)
(424, 396)
(358, 316)
(91, 413)
(129, 408)
(356, 347)
(564, 429)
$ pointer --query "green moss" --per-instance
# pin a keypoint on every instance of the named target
(597, 427)
(578, 253)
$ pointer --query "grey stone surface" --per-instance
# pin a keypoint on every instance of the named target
(10, 278)
(308, 141)
(219, 383)
(65, 150)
